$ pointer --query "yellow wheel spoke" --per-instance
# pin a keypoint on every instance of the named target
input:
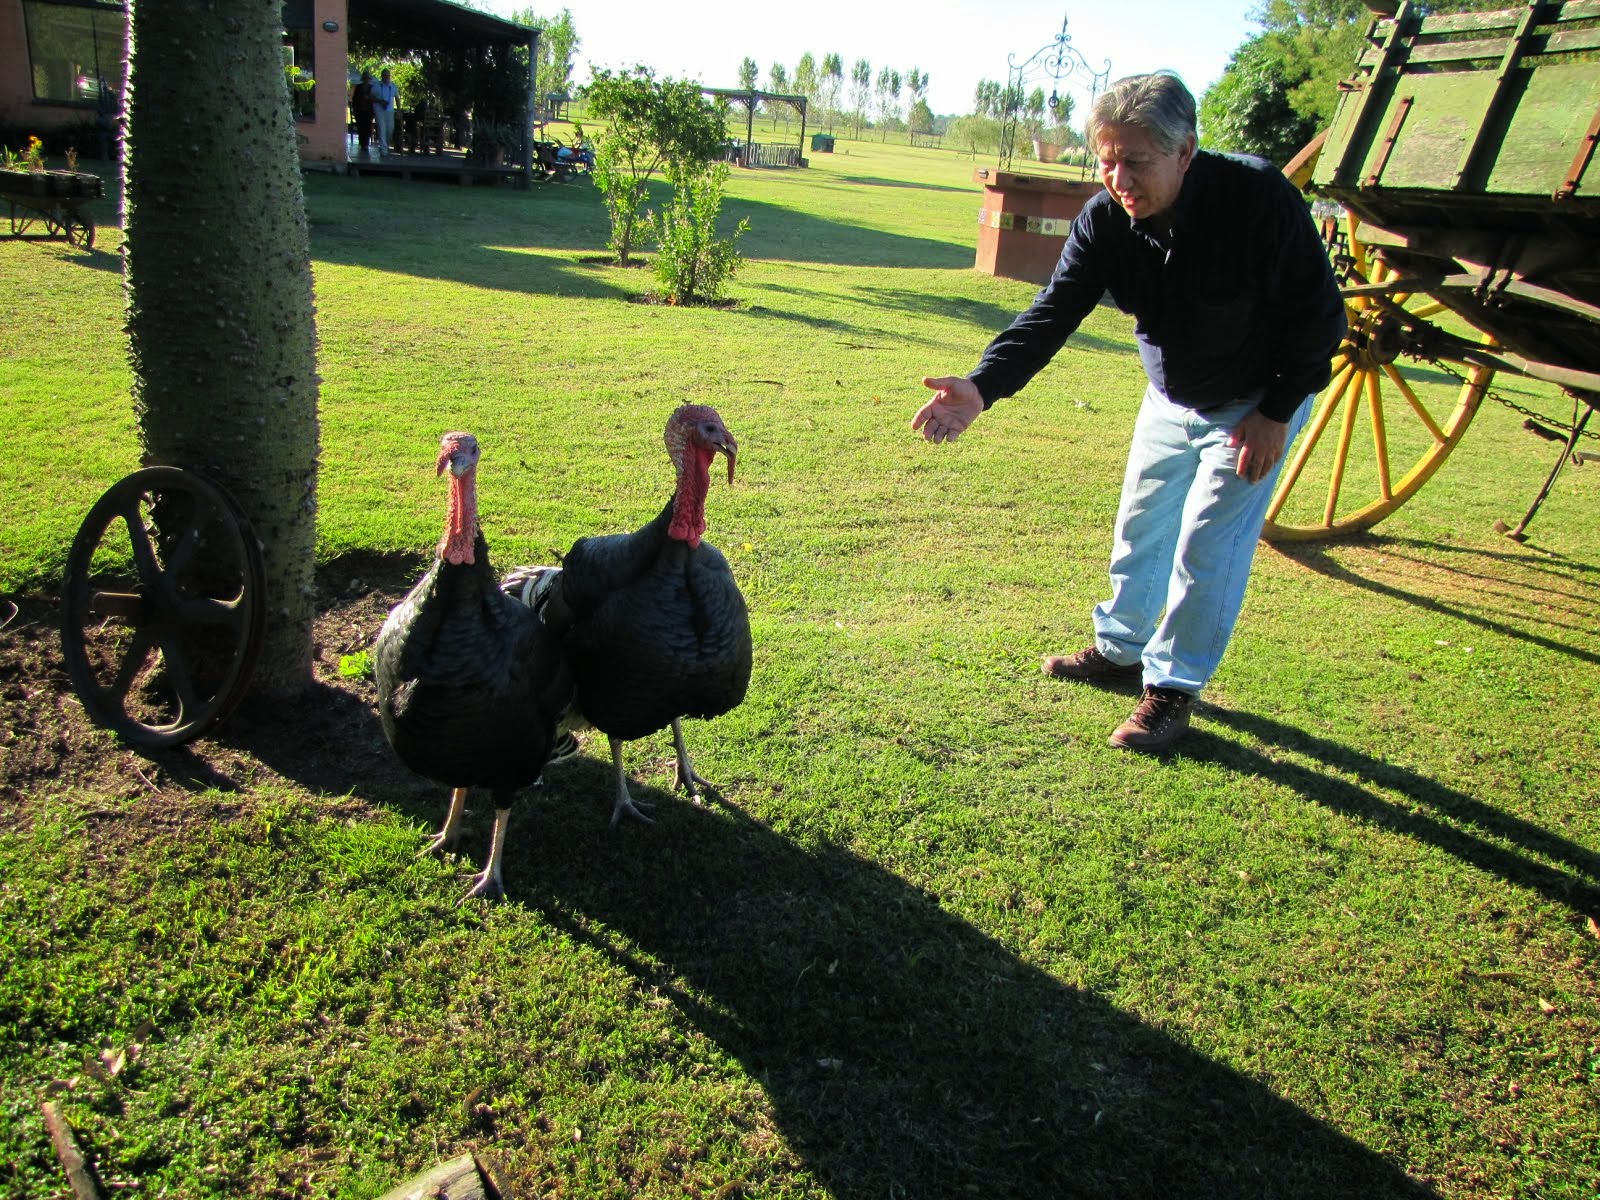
(1341, 455)
(1380, 439)
(1310, 438)
(1416, 405)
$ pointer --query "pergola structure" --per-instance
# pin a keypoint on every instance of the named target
(750, 98)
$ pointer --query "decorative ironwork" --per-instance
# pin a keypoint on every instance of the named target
(1058, 61)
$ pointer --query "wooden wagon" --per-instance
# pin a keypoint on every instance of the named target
(53, 200)
(1458, 187)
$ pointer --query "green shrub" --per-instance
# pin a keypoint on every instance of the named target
(692, 263)
(651, 124)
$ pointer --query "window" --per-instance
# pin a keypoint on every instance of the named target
(76, 51)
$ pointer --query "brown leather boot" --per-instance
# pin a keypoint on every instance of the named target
(1090, 666)
(1161, 718)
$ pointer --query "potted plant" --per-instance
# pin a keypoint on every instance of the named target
(23, 171)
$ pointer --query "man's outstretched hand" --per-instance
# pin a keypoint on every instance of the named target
(955, 405)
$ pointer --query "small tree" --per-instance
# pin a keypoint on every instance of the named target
(976, 133)
(693, 264)
(558, 43)
(986, 99)
(888, 100)
(748, 72)
(1249, 108)
(651, 123)
(805, 78)
(832, 82)
(1033, 112)
(860, 91)
(920, 119)
(778, 81)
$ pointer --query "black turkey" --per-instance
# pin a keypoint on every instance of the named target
(470, 682)
(654, 626)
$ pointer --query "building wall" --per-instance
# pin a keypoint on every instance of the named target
(19, 111)
(15, 89)
(324, 140)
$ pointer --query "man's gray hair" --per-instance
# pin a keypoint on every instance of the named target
(1158, 103)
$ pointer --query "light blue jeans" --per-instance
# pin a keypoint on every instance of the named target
(1186, 533)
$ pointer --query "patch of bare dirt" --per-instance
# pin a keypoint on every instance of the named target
(327, 741)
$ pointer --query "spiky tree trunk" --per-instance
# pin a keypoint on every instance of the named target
(221, 323)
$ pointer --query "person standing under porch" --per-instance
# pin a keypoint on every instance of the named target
(1235, 331)
(385, 95)
(361, 111)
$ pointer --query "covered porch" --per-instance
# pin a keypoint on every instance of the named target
(468, 96)
(62, 68)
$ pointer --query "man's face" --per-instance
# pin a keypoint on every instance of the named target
(1139, 176)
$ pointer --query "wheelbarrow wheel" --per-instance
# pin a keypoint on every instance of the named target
(21, 218)
(79, 230)
(162, 607)
(1348, 482)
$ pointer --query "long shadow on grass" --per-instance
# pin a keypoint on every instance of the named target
(1515, 850)
(904, 1052)
(1532, 600)
(875, 181)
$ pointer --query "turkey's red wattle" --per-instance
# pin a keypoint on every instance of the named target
(689, 501)
(461, 521)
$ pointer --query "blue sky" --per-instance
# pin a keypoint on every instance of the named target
(956, 42)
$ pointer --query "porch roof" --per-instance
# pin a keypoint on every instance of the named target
(430, 24)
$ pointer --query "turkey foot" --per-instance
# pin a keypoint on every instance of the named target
(487, 882)
(625, 802)
(688, 779)
(445, 839)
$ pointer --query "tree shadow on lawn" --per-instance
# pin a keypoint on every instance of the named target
(904, 1052)
(1462, 827)
(444, 233)
(875, 181)
(794, 236)
(493, 267)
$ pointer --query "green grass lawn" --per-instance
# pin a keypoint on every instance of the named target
(939, 940)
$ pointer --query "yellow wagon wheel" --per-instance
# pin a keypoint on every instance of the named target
(1391, 433)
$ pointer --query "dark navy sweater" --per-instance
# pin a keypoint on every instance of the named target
(1237, 301)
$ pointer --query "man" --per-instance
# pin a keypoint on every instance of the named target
(362, 108)
(384, 96)
(1237, 318)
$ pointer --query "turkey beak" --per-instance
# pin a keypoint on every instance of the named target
(453, 458)
(730, 451)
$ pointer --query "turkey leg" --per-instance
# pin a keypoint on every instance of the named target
(624, 802)
(445, 839)
(687, 779)
(487, 882)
